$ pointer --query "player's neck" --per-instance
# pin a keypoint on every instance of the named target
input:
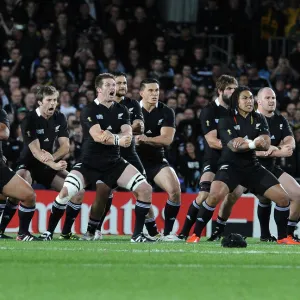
(107, 104)
(266, 113)
(119, 99)
(222, 103)
(149, 107)
(43, 114)
(244, 114)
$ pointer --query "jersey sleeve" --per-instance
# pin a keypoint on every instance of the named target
(169, 118)
(4, 118)
(207, 120)
(263, 127)
(286, 128)
(63, 129)
(88, 118)
(28, 129)
(226, 130)
(137, 112)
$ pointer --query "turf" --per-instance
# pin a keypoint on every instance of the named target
(116, 269)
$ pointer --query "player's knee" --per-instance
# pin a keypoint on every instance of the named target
(283, 199)
(174, 191)
(144, 192)
(72, 186)
(29, 197)
(78, 198)
(232, 198)
(214, 198)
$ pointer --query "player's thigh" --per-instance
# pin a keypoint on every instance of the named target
(167, 180)
(291, 186)
(25, 174)
(58, 181)
(263, 199)
(218, 191)
(19, 188)
(102, 192)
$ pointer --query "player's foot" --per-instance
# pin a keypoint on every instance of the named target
(98, 235)
(182, 237)
(270, 238)
(289, 240)
(141, 238)
(216, 236)
(193, 239)
(87, 237)
(5, 237)
(26, 237)
(46, 236)
(296, 237)
(69, 236)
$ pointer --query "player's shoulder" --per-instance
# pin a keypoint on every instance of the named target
(33, 114)
(164, 107)
(128, 100)
(279, 117)
(210, 107)
(59, 115)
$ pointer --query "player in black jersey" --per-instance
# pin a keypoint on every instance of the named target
(159, 133)
(282, 145)
(209, 118)
(12, 185)
(41, 128)
(106, 128)
(243, 132)
(103, 201)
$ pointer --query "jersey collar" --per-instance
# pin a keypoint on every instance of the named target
(217, 102)
(38, 112)
(141, 104)
(98, 103)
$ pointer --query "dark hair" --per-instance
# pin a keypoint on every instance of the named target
(148, 81)
(44, 91)
(233, 104)
(225, 80)
(117, 74)
(99, 79)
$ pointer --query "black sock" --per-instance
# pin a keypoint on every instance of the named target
(8, 213)
(151, 227)
(263, 214)
(57, 212)
(2, 206)
(107, 209)
(204, 215)
(221, 223)
(171, 212)
(72, 212)
(92, 225)
(291, 226)
(25, 216)
(281, 215)
(190, 218)
(141, 210)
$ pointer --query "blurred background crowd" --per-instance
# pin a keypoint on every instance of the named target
(185, 44)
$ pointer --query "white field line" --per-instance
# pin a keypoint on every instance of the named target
(152, 250)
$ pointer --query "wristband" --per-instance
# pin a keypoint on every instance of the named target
(252, 145)
(117, 140)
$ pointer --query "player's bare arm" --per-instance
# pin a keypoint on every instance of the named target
(212, 140)
(4, 132)
(64, 148)
(164, 139)
(137, 127)
(125, 136)
(284, 149)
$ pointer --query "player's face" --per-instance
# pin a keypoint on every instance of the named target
(268, 100)
(49, 104)
(246, 102)
(226, 94)
(121, 84)
(108, 90)
(150, 93)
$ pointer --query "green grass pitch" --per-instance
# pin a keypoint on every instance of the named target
(117, 269)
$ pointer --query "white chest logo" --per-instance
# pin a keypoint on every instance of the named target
(160, 121)
(217, 120)
(280, 126)
(237, 127)
(57, 128)
(99, 117)
(257, 126)
(131, 109)
(120, 116)
(40, 131)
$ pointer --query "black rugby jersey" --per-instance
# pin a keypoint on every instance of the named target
(250, 128)
(279, 129)
(209, 118)
(96, 155)
(160, 116)
(135, 113)
(35, 126)
(3, 119)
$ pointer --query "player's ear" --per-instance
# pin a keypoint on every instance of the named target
(98, 90)
(141, 93)
(40, 103)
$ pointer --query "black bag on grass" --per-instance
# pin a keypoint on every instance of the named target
(234, 240)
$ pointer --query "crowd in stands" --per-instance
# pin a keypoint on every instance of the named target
(66, 43)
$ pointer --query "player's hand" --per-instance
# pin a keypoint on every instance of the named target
(141, 138)
(60, 166)
(270, 150)
(125, 141)
(46, 156)
(260, 143)
(286, 151)
(238, 142)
